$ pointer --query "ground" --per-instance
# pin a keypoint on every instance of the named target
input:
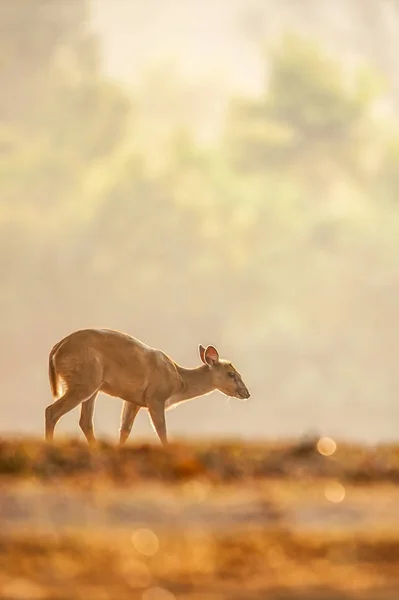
(211, 521)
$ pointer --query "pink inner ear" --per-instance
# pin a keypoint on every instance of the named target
(211, 354)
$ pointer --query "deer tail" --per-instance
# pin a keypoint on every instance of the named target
(51, 370)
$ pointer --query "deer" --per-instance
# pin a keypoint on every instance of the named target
(89, 361)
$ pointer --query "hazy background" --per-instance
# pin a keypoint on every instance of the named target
(214, 171)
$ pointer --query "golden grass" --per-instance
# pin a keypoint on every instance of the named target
(243, 565)
(207, 521)
(217, 462)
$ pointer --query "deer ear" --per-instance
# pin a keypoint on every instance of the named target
(211, 356)
(202, 353)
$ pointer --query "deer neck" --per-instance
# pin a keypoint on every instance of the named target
(194, 382)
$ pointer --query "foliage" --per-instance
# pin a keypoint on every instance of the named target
(263, 240)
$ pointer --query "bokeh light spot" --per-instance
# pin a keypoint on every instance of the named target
(326, 446)
(137, 574)
(335, 492)
(158, 593)
(145, 541)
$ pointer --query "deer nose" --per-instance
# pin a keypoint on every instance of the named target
(245, 394)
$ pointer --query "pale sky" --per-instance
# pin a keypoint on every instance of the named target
(204, 38)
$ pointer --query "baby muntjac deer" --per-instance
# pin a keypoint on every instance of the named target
(89, 361)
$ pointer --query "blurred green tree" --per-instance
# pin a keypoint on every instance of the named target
(61, 124)
(312, 121)
(105, 220)
(58, 115)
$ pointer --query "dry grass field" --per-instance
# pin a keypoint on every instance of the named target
(303, 520)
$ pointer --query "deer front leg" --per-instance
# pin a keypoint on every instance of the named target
(157, 416)
(129, 413)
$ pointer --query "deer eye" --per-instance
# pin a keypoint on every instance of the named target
(231, 374)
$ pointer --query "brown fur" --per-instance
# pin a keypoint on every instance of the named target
(92, 360)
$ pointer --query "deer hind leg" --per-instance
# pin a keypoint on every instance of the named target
(129, 413)
(70, 400)
(86, 418)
